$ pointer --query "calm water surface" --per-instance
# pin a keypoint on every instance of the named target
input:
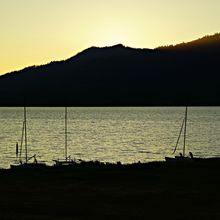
(109, 134)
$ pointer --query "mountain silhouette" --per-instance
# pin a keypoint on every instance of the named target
(184, 74)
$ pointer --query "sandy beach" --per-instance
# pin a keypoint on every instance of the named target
(140, 191)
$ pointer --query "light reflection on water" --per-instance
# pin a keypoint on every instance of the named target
(110, 134)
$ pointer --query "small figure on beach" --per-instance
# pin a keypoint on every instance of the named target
(35, 159)
(16, 149)
(191, 155)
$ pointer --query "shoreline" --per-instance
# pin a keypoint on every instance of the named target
(96, 163)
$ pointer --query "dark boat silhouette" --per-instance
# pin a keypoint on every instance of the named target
(182, 156)
(20, 163)
(67, 161)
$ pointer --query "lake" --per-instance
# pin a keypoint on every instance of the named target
(109, 134)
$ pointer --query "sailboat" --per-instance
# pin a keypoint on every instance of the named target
(26, 163)
(182, 156)
(67, 159)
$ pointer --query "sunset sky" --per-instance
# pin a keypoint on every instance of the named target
(36, 32)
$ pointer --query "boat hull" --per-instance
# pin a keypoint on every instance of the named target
(64, 163)
(28, 166)
(179, 159)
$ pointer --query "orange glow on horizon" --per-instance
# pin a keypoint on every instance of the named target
(38, 32)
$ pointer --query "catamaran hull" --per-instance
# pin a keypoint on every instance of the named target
(178, 159)
(65, 163)
(29, 166)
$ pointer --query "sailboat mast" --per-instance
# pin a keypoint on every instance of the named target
(25, 135)
(184, 143)
(66, 133)
(22, 139)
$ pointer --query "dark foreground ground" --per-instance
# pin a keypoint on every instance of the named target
(147, 191)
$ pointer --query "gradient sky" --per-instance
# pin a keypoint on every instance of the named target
(40, 31)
